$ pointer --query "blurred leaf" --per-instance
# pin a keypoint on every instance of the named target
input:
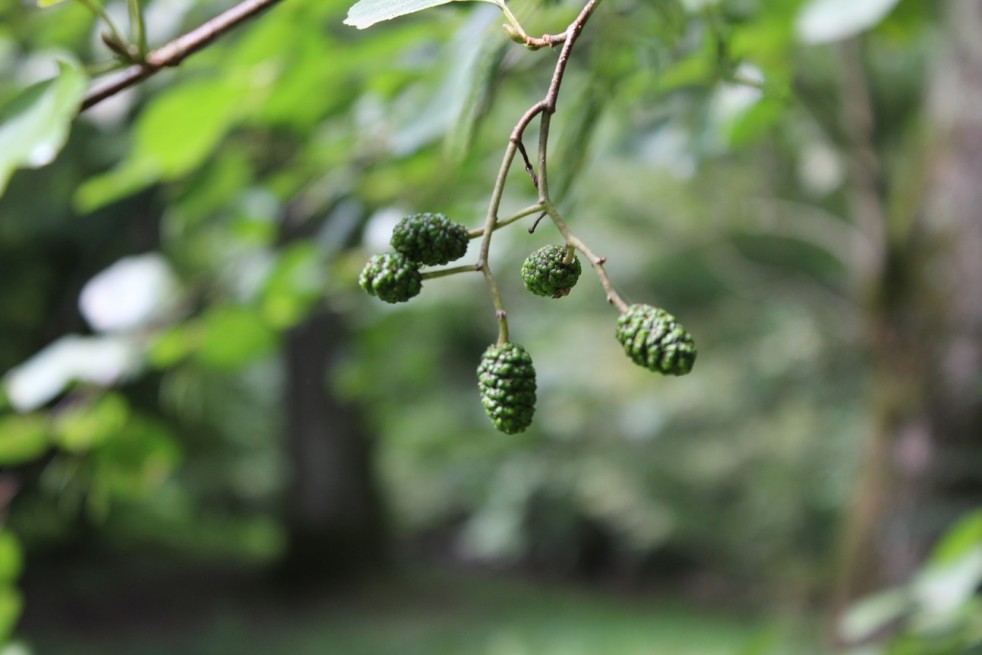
(942, 588)
(120, 182)
(871, 614)
(22, 438)
(177, 131)
(966, 535)
(232, 337)
(366, 13)
(102, 360)
(49, 3)
(10, 607)
(171, 346)
(132, 293)
(293, 286)
(573, 146)
(757, 121)
(482, 74)
(182, 125)
(135, 463)
(11, 558)
(823, 21)
(34, 124)
(90, 424)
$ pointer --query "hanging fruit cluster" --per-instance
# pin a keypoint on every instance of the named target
(651, 337)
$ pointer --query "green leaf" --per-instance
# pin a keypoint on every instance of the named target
(139, 461)
(868, 615)
(22, 438)
(824, 21)
(171, 346)
(10, 607)
(293, 286)
(965, 536)
(49, 3)
(179, 130)
(366, 13)
(34, 124)
(87, 425)
(11, 558)
(232, 337)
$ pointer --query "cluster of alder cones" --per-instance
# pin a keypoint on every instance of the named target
(651, 337)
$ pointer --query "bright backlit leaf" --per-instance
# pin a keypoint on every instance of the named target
(366, 13)
(824, 21)
(34, 124)
(22, 438)
(86, 425)
(232, 337)
(11, 557)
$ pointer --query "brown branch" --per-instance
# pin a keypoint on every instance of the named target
(571, 33)
(173, 53)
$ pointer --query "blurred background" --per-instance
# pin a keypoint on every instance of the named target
(212, 441)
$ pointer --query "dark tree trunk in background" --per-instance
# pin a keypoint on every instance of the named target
(334, 514)
(923, 464)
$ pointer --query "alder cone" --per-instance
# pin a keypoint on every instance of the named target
(652, 338)
(545, 274)
(392, 277)
(430, 239)
(506, 379)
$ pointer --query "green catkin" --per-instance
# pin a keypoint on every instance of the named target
(430, 239)
(392, 277)
(545, 274)
(652, 338)
(506, 379)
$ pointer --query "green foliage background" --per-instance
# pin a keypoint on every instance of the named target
(265, 171)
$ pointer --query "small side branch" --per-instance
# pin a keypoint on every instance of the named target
(174, 52)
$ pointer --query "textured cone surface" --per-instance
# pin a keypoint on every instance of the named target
(652, 338)
(506, 379)
(391, 277)
(430, 239)
(545, 274)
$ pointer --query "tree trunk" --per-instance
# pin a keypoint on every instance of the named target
(335, 520)
(925, 342)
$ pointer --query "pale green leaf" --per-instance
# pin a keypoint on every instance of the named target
(180, 128)
(824, 21)
(232, 337)
(959, 540)
(866, 616)
(49, 3)
(11, 557)
(23, 437)
(34, 124)
(11, 604)
(366, 13)
(83, 426)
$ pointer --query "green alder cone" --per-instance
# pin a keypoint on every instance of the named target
(545, 274)
(652, 338)
(392, 277)
(506, 379)
(430, 239)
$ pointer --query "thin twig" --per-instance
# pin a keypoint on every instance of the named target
(444, 272)
(138, 26)
(174, 52)
(545, 107)
(528, 163)
(99, 12)
(501, 222)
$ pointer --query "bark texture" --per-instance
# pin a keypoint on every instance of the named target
(336, 526)
(924, 318)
